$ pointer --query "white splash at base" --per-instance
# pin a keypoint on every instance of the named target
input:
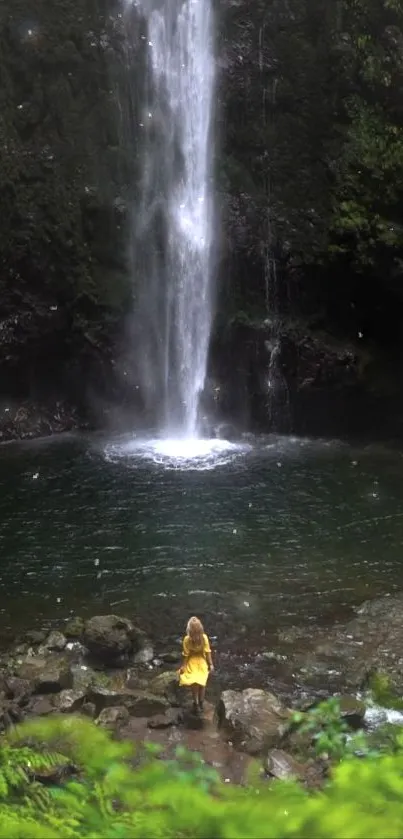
(186, 453)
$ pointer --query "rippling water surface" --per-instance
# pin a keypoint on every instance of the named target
(270, 532)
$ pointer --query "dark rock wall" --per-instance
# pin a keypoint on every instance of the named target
(309, 174)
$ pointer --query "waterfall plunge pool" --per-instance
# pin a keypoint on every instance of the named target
(253, 536)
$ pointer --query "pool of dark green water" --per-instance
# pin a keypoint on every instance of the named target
(277, 532)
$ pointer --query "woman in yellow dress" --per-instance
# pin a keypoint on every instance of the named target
(197, 662)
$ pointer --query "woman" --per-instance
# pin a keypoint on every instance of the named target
(197, 662)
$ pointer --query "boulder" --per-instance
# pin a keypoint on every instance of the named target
(279, 764)
(35, 637)
(167, 684)
(252, 719)
(145, 654)
(110, 638)
(69, 701)
(138, 703)
(74, 629)
(83, 676)
(352, 710)
(171, 717)
(41, 706)
(18, 689)
(112, 717)
(47, 675)
(345, 657)
(171, 657)
(89, 709)
(55, 642)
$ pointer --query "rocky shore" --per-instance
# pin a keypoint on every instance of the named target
(108, 669)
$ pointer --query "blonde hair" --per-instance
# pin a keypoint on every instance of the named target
(195, 631)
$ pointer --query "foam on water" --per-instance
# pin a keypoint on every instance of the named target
(187, 453)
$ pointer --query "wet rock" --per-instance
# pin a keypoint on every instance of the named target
(41, 706)
(352, 710)
(48, 675)
(35, 636)
(279, 764)
(55, 642)
(82, 676)
(167, 684)
(69, 701)
(171, 657)
(145, 654)
(171, 717)
(74, 629)
(18, 689)
(345, 657)
(89, 710)
(113, 717)
(21, 649)
(252, 719)
(109, 637)
(138, 703)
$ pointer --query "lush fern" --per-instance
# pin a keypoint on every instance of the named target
(183, 799)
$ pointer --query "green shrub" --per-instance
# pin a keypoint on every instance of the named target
(109, 797)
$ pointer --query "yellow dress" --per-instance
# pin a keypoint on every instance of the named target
(195, 664)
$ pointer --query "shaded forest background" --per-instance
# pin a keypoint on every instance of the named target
(309, 175)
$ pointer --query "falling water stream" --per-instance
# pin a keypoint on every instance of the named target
(172, 225)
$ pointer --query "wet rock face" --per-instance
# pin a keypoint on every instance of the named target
(252, 719)
(109, 638)
(346, 657)
(139, 703)
(46, 675)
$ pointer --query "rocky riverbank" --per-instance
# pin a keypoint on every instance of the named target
(108, 669)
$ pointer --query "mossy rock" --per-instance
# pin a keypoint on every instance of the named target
(167, 684)
(385, 738)
(74, 629)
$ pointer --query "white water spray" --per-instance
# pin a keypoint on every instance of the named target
(173, 224)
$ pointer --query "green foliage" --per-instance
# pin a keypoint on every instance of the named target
(326, 727)
(108, 797)
(383, 693)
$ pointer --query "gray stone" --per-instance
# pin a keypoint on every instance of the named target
(35, 636)
(74, 629)
(352, 710)
(109, 637)
(252, 719)
(138, 703)
(171, 717)
(47, 675)
(171, 657)
(145, 655)
(41, 706)
(345, 657)
(69, 701)
(19, 689)
(82, 675)
(281, 765)
(89, 710)
(113, 717)
(167, 684)
(54, 642)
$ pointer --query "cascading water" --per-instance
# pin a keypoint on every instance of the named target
(172, 222)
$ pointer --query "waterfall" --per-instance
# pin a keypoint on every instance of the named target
(173, 214)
